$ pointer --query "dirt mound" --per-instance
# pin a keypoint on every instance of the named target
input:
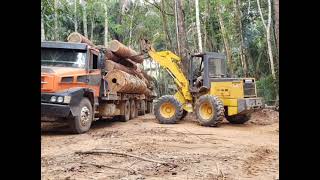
(264, 117)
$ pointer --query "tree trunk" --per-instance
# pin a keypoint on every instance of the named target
(43, 36)
(183, 37)
(75, 16)
(177, 27)
(106, 25)
(225, 38)
(84, 18)
(56, 34)
(92, 28)
(267, 28)
(276, 19)
(165, 24)
(238, 17)
(198, 25)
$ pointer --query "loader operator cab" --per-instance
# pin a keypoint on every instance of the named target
(205, 66)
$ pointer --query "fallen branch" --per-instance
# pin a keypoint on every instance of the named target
(125, 154)
(111, 167)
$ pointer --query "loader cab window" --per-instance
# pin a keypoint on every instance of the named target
(196, 74)
(216, 67)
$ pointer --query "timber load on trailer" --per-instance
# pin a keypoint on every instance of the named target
(82, 82)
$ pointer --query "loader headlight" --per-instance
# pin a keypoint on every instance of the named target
(60, 99)
(53, 98)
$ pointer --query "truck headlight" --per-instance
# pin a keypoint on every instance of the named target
(67, 99)
(53, 98)
(60, 99)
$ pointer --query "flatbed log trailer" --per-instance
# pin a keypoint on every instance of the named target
(73, 88)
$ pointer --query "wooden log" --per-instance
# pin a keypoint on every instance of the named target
(78, 38)
(120, 81)
(110, 55)
(125, 52)
(111, 65)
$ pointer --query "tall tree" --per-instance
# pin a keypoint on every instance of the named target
(198, 25)
(276, 19)
(176, 26)
(224, 36)
(267, 27)
(165, 24)
(238, 17)
(56, 33)
(183, 36)
(84, 18)
(106, 24)
(75, 16)
(43, 36)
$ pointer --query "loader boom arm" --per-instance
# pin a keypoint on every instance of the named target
(170, 62)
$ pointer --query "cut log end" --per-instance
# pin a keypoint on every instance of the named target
(74, 37)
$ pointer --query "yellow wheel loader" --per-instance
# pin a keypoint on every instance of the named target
(207, 91)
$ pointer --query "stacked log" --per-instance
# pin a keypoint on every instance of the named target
(125, 52)
(121, 64)
(120, 81)
(78, 38)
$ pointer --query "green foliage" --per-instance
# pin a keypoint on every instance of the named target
(142, 19)
(266, 88)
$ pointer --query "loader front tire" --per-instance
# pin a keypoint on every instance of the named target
(209, 110)
(168, 110)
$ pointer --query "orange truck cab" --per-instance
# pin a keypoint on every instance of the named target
(73, 88)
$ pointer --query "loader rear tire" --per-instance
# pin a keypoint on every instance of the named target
(209, 111)
(168, 110)
(238, 119)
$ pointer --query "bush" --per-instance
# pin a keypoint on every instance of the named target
(267, 88)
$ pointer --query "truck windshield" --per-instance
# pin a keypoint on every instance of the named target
(63, 57)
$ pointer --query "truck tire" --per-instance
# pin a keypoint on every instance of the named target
(142, 107)
(81, 123)
(238, 119)
(168, 110)
(209, 110)
(125, 111)
(132, 109)
(149, 107)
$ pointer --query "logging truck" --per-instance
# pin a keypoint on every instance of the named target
(75, 87)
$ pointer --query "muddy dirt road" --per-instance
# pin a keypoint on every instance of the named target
(248, 151)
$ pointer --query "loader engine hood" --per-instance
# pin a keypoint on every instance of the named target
(58, 78)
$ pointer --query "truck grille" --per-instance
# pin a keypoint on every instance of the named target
(249, 89)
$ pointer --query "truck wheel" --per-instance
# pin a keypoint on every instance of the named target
(209, 110)
(82, 121)
(142, 107)
(168, 110)
(238, 119)
(136, 109)
(125, 111)
(148, 107)
(132, 109)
